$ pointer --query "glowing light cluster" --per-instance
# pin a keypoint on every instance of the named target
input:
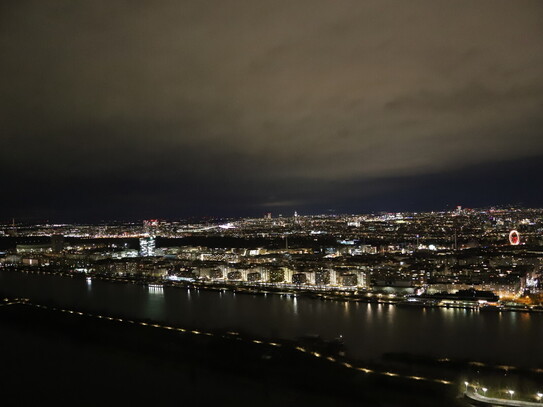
(514, 238)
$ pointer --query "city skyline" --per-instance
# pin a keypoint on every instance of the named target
(277, 216)
(271, 202)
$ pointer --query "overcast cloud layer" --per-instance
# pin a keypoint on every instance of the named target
(176, 108)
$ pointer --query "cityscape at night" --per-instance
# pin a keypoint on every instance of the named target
(478, 262)
(256, 202)
(403, 258)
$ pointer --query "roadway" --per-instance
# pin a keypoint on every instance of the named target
(491, 401)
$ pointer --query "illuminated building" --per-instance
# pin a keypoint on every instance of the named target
(299, 278)
(147, 246)
(234, 275)
(322, 277)
(348, 280)
(255, 276)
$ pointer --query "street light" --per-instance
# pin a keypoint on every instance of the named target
(466, 383)
(484, 389)
(539, 396)
(511, 392)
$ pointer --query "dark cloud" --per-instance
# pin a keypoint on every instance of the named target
(172, 108)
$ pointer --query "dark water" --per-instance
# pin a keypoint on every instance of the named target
(369, 330)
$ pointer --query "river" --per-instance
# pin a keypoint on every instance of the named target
(369, 330)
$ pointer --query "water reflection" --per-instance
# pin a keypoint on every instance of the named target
(346, 307)
(369, 329)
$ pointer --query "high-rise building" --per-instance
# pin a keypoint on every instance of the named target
(147, 246)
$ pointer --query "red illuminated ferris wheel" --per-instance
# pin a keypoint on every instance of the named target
(514, 238)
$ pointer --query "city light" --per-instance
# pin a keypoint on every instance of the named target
(271, 202)
(303, 271)
(514, 238)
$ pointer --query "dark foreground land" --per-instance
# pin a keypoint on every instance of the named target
(50, 357)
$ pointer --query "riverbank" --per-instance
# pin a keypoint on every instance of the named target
(325, 294)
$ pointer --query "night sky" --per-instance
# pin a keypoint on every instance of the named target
(167, 109)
